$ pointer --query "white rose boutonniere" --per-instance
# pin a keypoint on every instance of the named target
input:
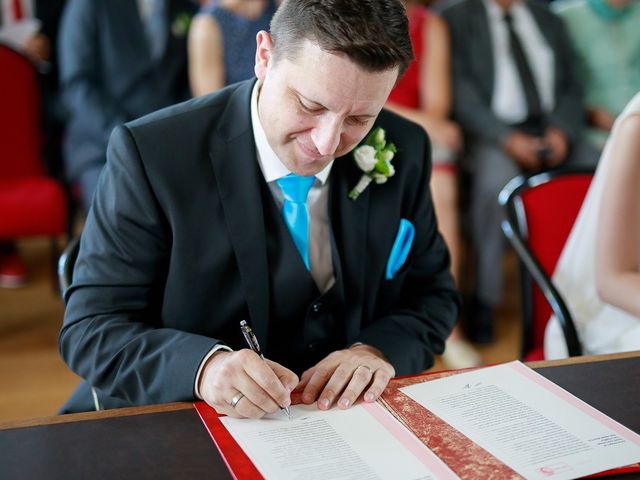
(373, 157)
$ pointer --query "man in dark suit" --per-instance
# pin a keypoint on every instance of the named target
(519, 102)
(186, 238)
(119, 60)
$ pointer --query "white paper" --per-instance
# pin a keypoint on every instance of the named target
(538, 429)
(335, 444)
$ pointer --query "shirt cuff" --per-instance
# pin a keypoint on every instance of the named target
(215, 349)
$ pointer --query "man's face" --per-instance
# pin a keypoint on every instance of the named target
(319, 106)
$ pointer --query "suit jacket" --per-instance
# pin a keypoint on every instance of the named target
(474, 69)
(108, 76)
(173, 251)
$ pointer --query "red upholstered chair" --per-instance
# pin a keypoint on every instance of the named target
(539, 213)
(31, 203)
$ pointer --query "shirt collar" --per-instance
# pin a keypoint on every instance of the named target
(271, 166)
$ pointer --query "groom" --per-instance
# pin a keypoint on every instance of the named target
(186, 235)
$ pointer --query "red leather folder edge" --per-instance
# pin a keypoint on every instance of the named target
(238, 463)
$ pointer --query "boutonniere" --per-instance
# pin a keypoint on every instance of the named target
(373, 156)
(180, 25)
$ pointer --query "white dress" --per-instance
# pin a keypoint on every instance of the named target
(602, 328)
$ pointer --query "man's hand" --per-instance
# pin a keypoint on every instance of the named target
(38, 48)
(344, 375)
(524, 150)
(262, 387)
(601, 118)
(558, 144)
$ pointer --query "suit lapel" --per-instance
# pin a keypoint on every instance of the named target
(349, 222)
(238, 177)
(481, 36)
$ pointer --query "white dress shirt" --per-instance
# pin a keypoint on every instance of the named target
(508, 102)
(8, 14)
(320, 262)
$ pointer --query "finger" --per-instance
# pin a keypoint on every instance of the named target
(247, 409)
(304, 380)
(261, 385)
(360, 378)
(227, 407)
(380, 381)
(321, 375)
(336, 384)
(286, 376)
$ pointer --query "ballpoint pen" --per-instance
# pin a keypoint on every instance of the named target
(252, 341)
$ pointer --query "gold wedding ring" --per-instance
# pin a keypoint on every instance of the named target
(363, 366)
(234, 401)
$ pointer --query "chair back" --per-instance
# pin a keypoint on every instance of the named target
(540, 211)
(20, 128)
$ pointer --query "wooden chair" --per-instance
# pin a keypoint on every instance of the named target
(539, 214)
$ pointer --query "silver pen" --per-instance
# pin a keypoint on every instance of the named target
(252, 341)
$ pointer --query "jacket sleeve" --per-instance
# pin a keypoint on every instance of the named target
(111, 334)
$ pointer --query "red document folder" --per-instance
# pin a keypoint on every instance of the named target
(239, 465)
(466, 458)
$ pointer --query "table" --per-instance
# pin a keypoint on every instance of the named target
(169, 441)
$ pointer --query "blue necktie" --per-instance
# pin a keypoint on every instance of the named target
(294, 210)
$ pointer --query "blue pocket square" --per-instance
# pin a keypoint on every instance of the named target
(401, 248)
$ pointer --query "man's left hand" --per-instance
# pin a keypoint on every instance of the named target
(559, 146)
(345, 374)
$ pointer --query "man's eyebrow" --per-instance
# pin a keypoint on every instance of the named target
(300, 96)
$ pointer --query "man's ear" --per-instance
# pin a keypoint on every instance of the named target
(264, 52)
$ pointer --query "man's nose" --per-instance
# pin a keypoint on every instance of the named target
(326, 135)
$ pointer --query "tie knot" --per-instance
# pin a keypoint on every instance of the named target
(295, 187)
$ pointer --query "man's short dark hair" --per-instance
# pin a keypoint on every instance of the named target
(374, 34)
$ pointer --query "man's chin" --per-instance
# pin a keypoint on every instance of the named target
(309, 168)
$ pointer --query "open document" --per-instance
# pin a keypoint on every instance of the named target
(535, 427)
(364, 442)
(505, 422)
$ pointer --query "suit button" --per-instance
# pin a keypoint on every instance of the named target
(312, 345)
(316, 307)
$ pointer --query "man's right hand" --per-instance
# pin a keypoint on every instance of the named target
(265, 387)
(524, 150)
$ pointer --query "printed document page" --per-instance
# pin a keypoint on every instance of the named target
(364, 442)
(529, 423)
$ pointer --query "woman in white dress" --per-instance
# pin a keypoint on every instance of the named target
(598, 273)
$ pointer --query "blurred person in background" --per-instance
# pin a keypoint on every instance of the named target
(222, 42)
(119, 60)
(598, 273)
(606, 37)
(519, 102)
(423, 94)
